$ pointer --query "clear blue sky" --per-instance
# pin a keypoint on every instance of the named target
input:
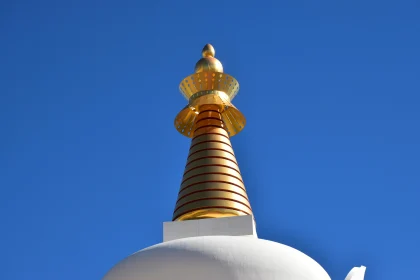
(90, 163)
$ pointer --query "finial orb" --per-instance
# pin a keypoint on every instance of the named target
(208, 62)
(208, 51)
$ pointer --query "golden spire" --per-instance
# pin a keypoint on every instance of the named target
(212, 184)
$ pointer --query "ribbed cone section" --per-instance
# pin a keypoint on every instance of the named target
(212, 184)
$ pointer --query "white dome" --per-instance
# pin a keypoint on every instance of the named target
(218, 257)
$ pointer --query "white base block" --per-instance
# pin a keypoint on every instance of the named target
(231, 226)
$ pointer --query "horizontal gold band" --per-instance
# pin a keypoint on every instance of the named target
(210, 152)
(207, 128)
(203, 156)
(222, 163)
(206, 122)
(210, 113)
(208, 107)
(210, 212)
(212, 203)
(226, 174)
(197, 185)
(211, 145)
(209, 81)
(211, 195)
(210, 137)
(209, 94)
(221, 132)
(212, 177)
(212, 186)
(210, 141)
(212, 170)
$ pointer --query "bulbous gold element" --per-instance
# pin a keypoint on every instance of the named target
(208, 50)
(208, 62)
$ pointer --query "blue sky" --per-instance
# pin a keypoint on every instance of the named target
(91, 164)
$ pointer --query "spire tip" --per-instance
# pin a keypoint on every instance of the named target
(208, 62)
(208, 51)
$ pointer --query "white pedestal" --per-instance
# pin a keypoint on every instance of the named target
(233, 226)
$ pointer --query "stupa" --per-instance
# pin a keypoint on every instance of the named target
(213, 234)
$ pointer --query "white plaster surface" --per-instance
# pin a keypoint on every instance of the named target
(218, 257)
(231, 226)
(357, 273)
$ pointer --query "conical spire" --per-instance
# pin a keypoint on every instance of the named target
(212, 184)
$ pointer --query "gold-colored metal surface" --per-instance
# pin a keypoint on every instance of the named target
(213, 178)
(208, 50)
(208, 80)
(233, 119)
(209, 212)
(211, 162)
(218, 170)
(208, 62)
(223, 137)
(237, 186)
(212, 185)
(221, 204)
(211, 139)
(211, 145)
(209, 154)
(212, 194)
(209, 85)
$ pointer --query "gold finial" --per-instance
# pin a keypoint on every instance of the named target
(208, 62)
(208, 50)
(212, 185)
